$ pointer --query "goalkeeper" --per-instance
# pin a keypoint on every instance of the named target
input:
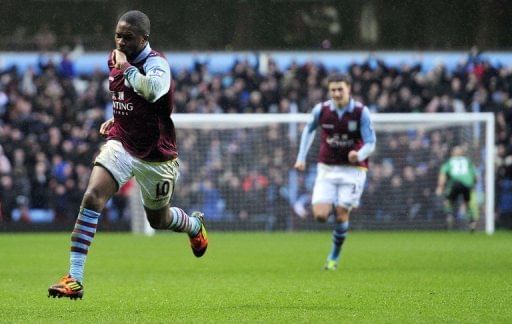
(457, 179)
(347, 140)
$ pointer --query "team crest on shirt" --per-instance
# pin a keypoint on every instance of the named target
(117, 95)
(352, 126)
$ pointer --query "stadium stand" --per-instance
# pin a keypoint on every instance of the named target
(50, 116)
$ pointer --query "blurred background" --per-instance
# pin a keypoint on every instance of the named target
(266, 24)
(255, 57)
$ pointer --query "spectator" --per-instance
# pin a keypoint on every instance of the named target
(53, 114)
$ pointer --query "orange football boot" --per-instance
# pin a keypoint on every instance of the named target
(199, 243)
(67, 287)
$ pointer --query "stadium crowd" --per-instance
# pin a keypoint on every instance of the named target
(50, 116)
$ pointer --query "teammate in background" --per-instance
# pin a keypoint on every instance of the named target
(457, 178)
(347, 140)
(141, 143)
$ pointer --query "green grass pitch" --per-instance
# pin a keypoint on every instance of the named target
(384, 277)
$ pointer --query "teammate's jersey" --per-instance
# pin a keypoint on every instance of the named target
(461, 169)
(342, 130)
(339, 136)
(143, 126)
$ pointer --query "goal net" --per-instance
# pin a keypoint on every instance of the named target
(238, 170)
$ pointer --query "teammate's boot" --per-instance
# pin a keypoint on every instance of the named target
(67, 287)
(331, 265)
(472, 226)
(199, 243)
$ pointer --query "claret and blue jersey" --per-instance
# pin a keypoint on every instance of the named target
(342, 130)
(142, 97)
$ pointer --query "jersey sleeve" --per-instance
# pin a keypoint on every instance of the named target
(155, 83)
(368, 135)
(308, 134)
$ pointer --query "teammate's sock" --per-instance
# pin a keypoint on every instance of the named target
(338, 237)
(471, 218)
(81, 239)
(181, 222)
(450, 217)
(448, 208)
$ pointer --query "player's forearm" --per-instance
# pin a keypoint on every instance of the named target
(441, 181)
(308, 134)
(151, 88)
(365, 151)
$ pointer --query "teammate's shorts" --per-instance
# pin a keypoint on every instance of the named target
(339, 185)
(156, 179)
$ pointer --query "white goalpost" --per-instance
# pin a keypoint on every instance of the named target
(477, 121)
(238, 169)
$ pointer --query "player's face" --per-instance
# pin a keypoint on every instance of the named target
(128, 40)
(339, 92)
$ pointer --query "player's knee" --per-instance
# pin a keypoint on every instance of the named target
(321, 212)
(93, 200)
(322, 218)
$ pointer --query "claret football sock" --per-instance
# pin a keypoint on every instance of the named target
(81, 239)
(338, 237)
(181, 222)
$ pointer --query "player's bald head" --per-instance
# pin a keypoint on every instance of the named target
(138, 20)
(458, 151)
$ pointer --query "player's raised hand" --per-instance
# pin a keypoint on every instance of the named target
(301, 166)
(119, 58)
(106, 126)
